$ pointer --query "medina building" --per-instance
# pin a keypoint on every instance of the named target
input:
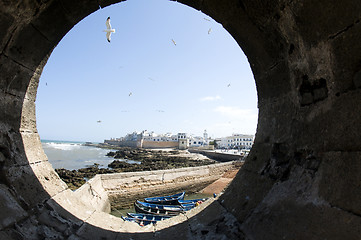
(240, 141)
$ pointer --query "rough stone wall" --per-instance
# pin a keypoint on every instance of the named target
(132, 144)
(222, 157)
(124, 188)
(301, 180)
(153, 144)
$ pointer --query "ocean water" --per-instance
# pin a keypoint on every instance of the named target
(73, 155)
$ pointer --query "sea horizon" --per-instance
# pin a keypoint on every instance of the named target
(73, 155)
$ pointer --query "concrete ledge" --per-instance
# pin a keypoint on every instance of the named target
(93, 195)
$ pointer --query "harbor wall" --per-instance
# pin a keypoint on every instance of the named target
(222, 157)
(132, 144)
(153, 144)
(122, 189)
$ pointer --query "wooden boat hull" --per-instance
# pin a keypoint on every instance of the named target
(151, 217)
(141, 222)
(147, 210)
(191, 201)
(166, 200)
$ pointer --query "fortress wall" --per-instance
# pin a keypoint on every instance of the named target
(154, 144)
(127, 187)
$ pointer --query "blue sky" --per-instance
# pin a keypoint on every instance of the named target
(202, 82)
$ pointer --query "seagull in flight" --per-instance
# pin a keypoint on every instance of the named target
(99, 121)
(228, 85)
(175, 44)
(109, 29)
(130, 94)
(210, 30)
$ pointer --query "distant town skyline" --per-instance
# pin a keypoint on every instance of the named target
(166, 68)
(175, 133)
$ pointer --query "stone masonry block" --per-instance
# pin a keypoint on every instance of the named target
(78, 10)
(12, 146)
(70, 207)
(13, 77)
(28, 116)
(33, 148)
(105, 3)
(312, 222)
(6, 26)
(11, 211)
(10, 109)
(103, 225)
(56, 14)
(34, 183)
(341, 180)
(28, 47)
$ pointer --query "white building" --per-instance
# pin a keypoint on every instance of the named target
(152, 140)
(240, 141)
(153, 137)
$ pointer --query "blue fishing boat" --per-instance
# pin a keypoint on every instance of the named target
(192, 201)
(166, 200)
(141, 222)
(158, 209)
(151, 217)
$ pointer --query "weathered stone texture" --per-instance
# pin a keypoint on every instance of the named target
(11, 211)
(301, 180)
(343, 194)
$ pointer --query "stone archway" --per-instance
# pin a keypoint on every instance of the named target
(301, 180)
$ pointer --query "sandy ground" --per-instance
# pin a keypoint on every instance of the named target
(219, 185)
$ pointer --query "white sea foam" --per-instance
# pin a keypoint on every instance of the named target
(73, 155)
(63, 146)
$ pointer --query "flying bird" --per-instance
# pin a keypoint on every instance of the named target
(109, 29)
(99, 121)
(130, 94)
(210, 30)
(229, 85)
(175, 44)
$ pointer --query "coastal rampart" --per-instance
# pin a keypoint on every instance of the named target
(122, 189)
(156, 144)
(133, 144)
(222, 157)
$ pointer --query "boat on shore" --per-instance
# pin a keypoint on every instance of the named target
(151, 217)
(192, 201)
(141, 222)
(147, 213)
(166, 200)
(158, 209)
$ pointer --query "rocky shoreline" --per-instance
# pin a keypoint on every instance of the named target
(148, 160)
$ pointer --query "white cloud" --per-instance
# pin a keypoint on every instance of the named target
(210, 98)
(236, 112)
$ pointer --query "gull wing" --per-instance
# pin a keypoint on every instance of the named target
(108, 23)
(108, 36)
